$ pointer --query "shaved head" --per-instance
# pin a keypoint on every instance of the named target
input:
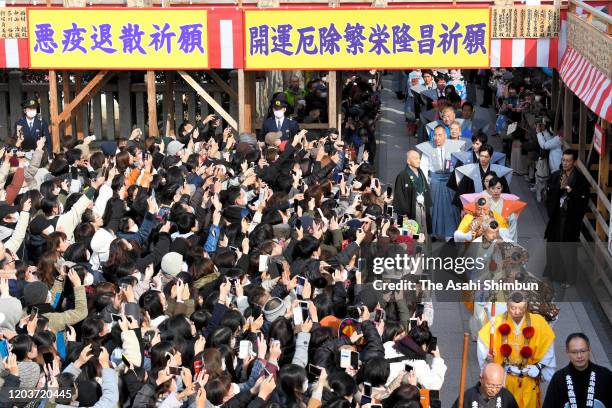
(413, 158)
(491, 379)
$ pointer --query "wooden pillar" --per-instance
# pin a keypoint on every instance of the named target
(246, 100)
(110, 115)
(125, 105)
(233, 107)
(96, 111)
(602, 181)
(332, 100)
(78, 85)
(66, 93)
(582, 127)
(169, 104)
(152, 104)
(140, 111)
(53, 102)
(568, 100)
(15, 97)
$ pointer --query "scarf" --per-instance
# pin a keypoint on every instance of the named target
(417, 182)
(571, 394)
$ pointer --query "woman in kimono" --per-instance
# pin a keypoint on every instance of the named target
(508, 210)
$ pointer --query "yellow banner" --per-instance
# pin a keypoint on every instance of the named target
(367, 38)
(118, 38)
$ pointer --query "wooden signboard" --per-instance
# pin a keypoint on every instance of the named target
(594, 45)
(524, 21)
(13, 22)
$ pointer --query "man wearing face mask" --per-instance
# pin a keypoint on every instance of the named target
(280, 123)
(32, 127)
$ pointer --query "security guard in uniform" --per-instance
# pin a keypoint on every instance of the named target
(280, 123)
(32, 127)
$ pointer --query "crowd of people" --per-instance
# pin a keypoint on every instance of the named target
(215, 269)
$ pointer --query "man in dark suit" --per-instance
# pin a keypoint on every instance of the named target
(32, 127)
(279, 123)
(567, 197)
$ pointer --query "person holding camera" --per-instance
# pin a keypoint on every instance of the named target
(567, 195)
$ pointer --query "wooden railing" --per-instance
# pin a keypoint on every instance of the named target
(111, 113)
(596, 26)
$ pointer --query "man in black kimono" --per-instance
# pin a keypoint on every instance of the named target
(471, 176)
(412, 198)
(567, 196)
(490, 391)
(581, 383)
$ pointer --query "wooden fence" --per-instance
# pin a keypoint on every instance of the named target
(114, 112)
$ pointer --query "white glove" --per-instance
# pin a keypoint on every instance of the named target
(514, 370)
(420, 199)
(532, 371)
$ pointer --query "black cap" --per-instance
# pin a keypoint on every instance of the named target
(493, 225)
(481, 201)
(279, 104)
(30, 103)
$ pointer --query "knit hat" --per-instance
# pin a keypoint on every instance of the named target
(172, 263)
(100, 245)
(35, 293)
(274, 313)
(12, 310)
(174, 147)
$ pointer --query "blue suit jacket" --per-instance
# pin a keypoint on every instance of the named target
(39, 129)
(289, 128)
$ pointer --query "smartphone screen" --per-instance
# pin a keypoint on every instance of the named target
(408, 368)
(378, 316)
(415, 237)
(4, 349)
(354, 359)
(413, 323)
(434, 395)
(433, 344)
(175, 370)
(389, 191)
(263, 263)
(367, 389)
(125, 361)
(360, 264)
(116, 317)
(301, 281)
(314, 370)
(298, 223)
(420, 308)
(389, 210)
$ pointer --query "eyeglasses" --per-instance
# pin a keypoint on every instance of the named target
(493, 386)
(577, 352)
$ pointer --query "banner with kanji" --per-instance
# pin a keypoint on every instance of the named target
(118, 38)
(367, 38)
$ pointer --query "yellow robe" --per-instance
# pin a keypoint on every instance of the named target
(527, 390)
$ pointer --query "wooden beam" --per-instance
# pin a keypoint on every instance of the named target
(152, 104)
(602, 181)
(54, 111)
(558, 111)
(211, 101)
(582, 127)
(224, 85)
(568, 108)
(78, 85)
(246, 101)
(86, 94)
(66, 95)
(332, 99)
(168, 102)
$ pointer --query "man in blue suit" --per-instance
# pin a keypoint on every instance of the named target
(279, 123)
(32, 127)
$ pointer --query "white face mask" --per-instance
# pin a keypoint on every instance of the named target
(279, 114)
(134, 228)
(538, 98)
(223, 365)
(31, 113)
(89, 280)
(305, 386)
